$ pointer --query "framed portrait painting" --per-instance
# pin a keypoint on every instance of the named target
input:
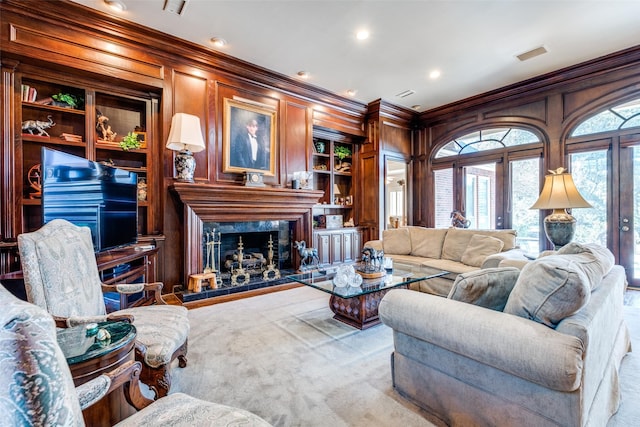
(249, 138)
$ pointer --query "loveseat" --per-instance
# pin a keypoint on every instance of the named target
(456, 250)
(551, 357)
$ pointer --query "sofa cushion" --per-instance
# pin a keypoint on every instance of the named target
(479, 248)
(596, 260)
(489, 288)
(550, 289)
(427, 242)
(396, 241)
(457, 239)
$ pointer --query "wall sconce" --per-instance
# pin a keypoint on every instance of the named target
(559, 193)
(185, 137)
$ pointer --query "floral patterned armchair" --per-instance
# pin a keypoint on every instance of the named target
(61, 276)
(36, 387)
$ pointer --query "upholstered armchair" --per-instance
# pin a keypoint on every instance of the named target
(36, 387)
(61, 276)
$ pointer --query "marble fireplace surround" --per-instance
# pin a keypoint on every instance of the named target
(215, 203)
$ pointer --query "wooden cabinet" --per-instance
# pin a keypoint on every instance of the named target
(91, 124)
(338, 246)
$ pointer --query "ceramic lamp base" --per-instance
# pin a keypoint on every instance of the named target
(185, 166)
(560, 229)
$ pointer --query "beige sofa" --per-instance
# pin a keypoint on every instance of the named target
(456, 250)
(549, 356)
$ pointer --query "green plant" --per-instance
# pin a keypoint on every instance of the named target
(66, 98)
(341, 151)
(130, 142)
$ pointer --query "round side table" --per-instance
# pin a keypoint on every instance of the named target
(88, 358)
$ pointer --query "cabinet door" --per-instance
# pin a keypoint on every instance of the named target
(323, 244)
(357, 244)
(348, 246)
(336, 248)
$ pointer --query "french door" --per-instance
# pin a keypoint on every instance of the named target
(609, 179)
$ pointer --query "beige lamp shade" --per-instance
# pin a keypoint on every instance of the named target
(559, 192)
(185, 134)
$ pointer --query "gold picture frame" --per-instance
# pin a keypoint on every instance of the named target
(142, 138)
(243, 152)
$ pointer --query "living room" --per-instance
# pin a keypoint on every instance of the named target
(122, 67)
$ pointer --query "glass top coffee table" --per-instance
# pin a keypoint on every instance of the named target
(358, 306)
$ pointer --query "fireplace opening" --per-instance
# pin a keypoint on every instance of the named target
(245, 255)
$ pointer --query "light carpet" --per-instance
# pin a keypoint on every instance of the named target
(283, 357)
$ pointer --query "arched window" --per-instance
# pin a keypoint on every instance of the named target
(487, 139)
(621, 116)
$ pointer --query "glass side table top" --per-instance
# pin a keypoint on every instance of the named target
(323, 280)
(78, 347)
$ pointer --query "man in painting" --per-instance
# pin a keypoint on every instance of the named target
(249, 149)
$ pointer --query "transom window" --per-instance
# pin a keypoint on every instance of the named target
(621, 116)
(487, 139)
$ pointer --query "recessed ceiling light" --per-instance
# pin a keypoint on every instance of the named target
(434, 74)
(352, 92)
(303, 74)
(218, 41)
(416, 107)
(362, 34)
(115, 5)
(532, 53)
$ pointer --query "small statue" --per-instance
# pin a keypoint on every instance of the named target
(458, 220)
(104, 128)
(37, 126)
(309, 256)
(372, 260)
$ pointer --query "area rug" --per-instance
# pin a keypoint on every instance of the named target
(283, 357)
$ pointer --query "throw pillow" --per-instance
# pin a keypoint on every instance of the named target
(427, 242)
(550, 289)
(396, 241)
(479, 248)
(489, 288)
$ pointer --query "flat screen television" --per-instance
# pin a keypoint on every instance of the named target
(90, 194)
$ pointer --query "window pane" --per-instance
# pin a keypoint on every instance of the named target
(589, 171)
(480, 195)
(599, 123)
(489, 139)
(520, 137)
(525, 178)
(443, 180)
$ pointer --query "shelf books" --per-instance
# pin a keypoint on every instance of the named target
(29, 93)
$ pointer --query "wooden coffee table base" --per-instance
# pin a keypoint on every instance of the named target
(361, 311)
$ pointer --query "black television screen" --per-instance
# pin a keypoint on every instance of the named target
(90, 194)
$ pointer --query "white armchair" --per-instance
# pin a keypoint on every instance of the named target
(36, 388)
(61, 276)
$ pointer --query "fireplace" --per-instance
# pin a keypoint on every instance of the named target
(253, 215)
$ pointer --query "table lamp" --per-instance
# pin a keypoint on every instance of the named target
(559, 193)
(185, 137)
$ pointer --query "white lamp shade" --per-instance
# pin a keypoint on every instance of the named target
(185, 133)
(559, 192)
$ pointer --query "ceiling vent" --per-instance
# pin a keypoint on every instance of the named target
(532, 53)
(405, 93)
(175, 6)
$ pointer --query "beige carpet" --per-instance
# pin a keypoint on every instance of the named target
(283, 357)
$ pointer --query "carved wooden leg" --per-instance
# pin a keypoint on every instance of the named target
(157, 379)
(182, 355)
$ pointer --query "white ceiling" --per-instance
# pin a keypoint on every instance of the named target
(473, 43)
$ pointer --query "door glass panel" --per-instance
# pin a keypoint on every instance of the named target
(443, 183)
(395, 188)
(636, 214)
(525, 179)
(590, 174)
(480, 195)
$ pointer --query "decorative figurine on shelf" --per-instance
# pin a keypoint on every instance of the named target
(38, 126)
(35, 181)
(142, 189)
(309, 256)
(458, 220)
(103, 127)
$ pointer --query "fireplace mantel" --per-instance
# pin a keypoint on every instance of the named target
(208, 202)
